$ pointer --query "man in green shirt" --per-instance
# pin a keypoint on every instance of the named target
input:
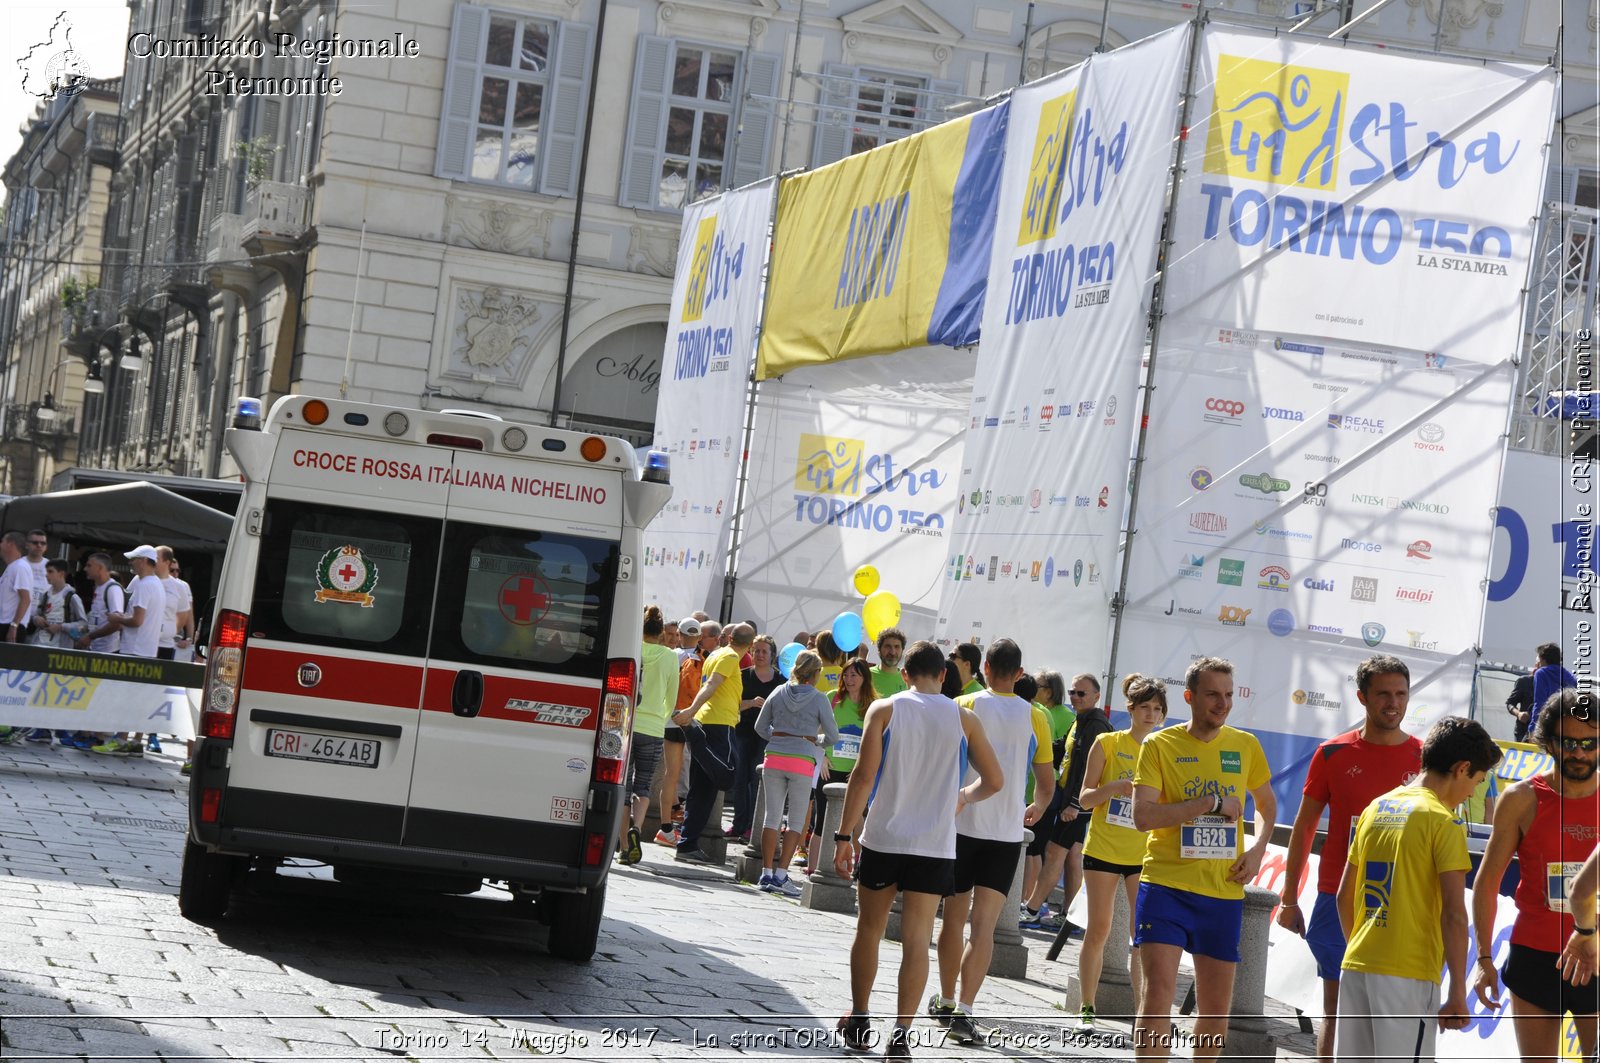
(886, 678)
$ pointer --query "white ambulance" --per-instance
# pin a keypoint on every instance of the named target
(423, 658)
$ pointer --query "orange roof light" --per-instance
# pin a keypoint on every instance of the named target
(315, 412)
(593, 448)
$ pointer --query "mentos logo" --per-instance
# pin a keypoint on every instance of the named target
(1261, 133)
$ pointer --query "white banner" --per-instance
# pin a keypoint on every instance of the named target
(1055, 402)
(1543, 579)
(711, 335)
(70, 690)
(1342, 191)
(853, 464)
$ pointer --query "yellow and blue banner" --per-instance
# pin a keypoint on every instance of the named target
(885, 250)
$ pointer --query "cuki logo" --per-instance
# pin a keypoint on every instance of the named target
(1422, 548)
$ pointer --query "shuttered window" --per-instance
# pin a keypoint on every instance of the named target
(862, 109)
(516, 91)
(701, 122)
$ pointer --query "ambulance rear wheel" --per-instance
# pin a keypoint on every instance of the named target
(205, 884)
(575, 926)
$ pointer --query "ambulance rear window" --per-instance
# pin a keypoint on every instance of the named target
(343, 577)
(537, 599)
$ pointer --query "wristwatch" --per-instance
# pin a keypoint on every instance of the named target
(1216, 803)
(845, 838)
(1583, 930)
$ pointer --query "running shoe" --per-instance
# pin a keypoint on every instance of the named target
(965, 1030)
(10, 736)
(187, 769)
(1086, 1017)
(800, 857)
(899, 1046)
(767, 883)
(39, 735)
(116, 747)
(693, 856)
(666, 837)
(857, 1032)
(940, 1013)
(787, 887)
(632, 849)
(153, 743)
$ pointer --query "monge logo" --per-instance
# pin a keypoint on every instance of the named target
(1277, 124)
(1047, 173)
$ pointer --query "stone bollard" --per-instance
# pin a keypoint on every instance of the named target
(747, 866)
(1010, 954)
(713, 842)
(1248, 1034)
(1115, 996)
(826, 891)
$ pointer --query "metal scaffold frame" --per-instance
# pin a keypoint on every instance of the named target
(1561, 303)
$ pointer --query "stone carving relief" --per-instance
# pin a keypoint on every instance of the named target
(495, 225)
(652, 251)
(495, 332)
(1455, 16)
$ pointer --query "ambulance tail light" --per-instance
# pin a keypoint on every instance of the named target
(611, 743)
(443, 439)
(224, 670)
(594, 850)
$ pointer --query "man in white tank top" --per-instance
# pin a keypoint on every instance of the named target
(989, 838)
(914, 749)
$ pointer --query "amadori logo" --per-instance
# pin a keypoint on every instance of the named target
(1073, 166)
(1224, 411)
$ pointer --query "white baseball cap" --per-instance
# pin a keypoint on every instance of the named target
(146, 552)
(689, 626)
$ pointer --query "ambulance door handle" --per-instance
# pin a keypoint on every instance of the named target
(466, 696)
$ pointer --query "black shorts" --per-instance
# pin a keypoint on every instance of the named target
(1041, 830)
(1532, 975)
(1067, 835)
(984, 862)
(912, 874)
(1094, 863)
(673, 734)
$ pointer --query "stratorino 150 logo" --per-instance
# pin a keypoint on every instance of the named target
(829, 465)
(1047, 173)
(699, 286)
(1275, 123)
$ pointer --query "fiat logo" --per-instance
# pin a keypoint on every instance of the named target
(309, 675)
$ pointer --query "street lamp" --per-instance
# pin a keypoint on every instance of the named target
(131, 360)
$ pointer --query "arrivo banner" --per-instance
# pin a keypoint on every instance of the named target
(1055, 402)
(1368, 183)
(711, 335)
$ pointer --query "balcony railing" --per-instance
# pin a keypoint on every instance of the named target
(105, 139)
(275, 212)
(223, 243)
(97, 312)
(41, 425)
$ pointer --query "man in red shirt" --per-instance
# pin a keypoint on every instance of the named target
(1550, 821)
(1347, 773)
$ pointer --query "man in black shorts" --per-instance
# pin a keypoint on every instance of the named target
(1065, 849)
(909, 844)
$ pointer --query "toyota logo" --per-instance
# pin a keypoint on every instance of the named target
(1430, 433)
(1231, 407)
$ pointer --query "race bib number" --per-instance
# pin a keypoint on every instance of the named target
(848, 747)
(1119, 812)
(1558, 883)
(1209, 838)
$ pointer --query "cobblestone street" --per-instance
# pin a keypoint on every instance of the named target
(96, 962)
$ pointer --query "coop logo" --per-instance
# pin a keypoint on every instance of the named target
(1430, 437)
(1273, 578)
(1223, 411)
(1363, 589)
(1351, 423)
(1422, 548)
(1233, 616)
(1281, 413)
(1046, 415)
(1279, 136)
(1209, 523)
(1264, 482)
(1419, 595)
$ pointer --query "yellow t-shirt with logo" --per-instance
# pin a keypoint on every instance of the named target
(1195, 856)
(1404, 841)
(1112, 836)
(723, 705)
(828, 682)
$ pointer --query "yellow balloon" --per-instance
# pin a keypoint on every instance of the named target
(881, 610)
(866, 580)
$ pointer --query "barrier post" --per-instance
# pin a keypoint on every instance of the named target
(825, 891)
(747, 867)
(1247, 1021)
(1010, 954)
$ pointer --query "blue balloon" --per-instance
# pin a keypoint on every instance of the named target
(847, 631)
(786, 657)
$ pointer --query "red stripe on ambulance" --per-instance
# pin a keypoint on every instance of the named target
(501, 692)
(363, 681)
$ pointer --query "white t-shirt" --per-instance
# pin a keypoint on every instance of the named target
(41, 585)
(56, 608)
(142, 641)
(914, 802)
(1008, 724)
(108, 598)
(17, 577)
(179, 600)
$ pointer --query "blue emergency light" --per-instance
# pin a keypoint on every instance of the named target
(657, 467)
(247, 414)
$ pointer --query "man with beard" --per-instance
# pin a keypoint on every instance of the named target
(1346, 774)
(1550, 821)
(886, 678)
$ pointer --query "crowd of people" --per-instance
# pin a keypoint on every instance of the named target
(982, 750)
(152, 616)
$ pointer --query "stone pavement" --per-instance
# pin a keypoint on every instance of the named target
(96, 963)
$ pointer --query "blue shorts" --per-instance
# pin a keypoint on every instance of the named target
(1326, 936)
(1195, 923)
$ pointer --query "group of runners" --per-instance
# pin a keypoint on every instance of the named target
(947, 782)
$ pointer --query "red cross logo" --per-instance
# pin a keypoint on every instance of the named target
(524, 600)
(348, 573)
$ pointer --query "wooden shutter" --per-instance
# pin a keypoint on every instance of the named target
(836, 115)
(757, 117)
(566, 103)
(458, 114)
(647, 123)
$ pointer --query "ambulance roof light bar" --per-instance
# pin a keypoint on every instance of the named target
(657, 467)
(247, 413)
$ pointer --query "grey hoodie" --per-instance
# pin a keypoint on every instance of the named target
(796, 709)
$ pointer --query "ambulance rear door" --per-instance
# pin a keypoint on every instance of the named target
(333, 670)
(521, 631)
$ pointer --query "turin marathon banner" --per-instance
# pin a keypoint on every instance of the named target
(711, 335)
(1034, 550)
(886, 250)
